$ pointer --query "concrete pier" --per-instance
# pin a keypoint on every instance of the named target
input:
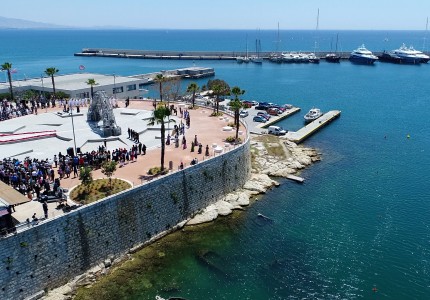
(275, 119)
(311, 128)
(189, 55)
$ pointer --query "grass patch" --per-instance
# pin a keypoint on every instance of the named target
(273, 145)
(97, 190)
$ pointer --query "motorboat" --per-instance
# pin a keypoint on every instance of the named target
(313, 58)
(256, 59)
(312, 115)
(389, 56)
(303, 58)
(288, 57)
(242, 59)
(423, 57)
(332, 58)
(407, 55)
(275, 57)
(362, 56)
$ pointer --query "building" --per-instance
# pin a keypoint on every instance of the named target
(75, 85)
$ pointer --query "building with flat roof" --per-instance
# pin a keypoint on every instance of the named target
(75, 85)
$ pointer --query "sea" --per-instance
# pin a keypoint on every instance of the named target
(358, 228)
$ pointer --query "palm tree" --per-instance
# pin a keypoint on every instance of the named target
(7, 67)
(159, 115)
(218, 90)
(193, 88)
(236, 105)
(51, 72)
(159, 78)
(92, 83)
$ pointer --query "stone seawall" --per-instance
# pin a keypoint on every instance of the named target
(53, 252)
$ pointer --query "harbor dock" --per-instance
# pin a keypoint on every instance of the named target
(275, 119)
(311, 128)
(188, 55)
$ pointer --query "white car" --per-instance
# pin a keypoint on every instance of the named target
(243, 113)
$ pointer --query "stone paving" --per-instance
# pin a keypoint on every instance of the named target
(209, 131)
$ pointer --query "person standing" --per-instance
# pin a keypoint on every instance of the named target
(144, 149)
(55, 160)
(45, 209)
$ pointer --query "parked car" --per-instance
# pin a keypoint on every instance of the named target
(279, 107)
(288, 106)
(264, 115)
(259, 119)
(255, 102)
(262, 107)
(247, 104)
(276, 130)
(243, 113)
(273, 111)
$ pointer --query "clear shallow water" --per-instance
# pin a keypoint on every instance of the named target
(360, 220)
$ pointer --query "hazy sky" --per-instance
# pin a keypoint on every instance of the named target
(224, 14)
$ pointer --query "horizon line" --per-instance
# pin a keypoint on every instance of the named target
(190, 29)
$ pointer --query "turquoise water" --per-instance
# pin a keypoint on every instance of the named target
(361, 219)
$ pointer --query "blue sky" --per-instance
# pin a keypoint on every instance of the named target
(224, 14)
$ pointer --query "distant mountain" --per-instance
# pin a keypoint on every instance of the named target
(10, 23)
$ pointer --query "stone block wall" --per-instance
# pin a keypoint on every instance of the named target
(53, 252)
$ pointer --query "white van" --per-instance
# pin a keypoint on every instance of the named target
(276, 130)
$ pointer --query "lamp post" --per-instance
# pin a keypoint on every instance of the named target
(114, 86)
(43, 94)
(73, 129)
(43, 87)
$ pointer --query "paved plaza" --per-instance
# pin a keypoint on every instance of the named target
(51, 131)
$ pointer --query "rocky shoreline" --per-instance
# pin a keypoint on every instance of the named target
(271, 156)
(288, 160)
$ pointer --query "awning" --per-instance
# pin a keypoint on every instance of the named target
(11, 196)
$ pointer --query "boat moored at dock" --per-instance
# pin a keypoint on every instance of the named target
(424, 58)
(404, 55)
(362, 56)
(312, 115)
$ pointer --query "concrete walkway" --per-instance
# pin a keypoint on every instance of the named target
(209, 131)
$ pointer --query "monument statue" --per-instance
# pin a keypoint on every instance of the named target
(101, 109)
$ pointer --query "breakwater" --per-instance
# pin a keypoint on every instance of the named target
(185, 55)
(49, 254)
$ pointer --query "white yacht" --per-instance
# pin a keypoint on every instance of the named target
(288, 57)
(313, 114)
(424, 58)
(362, 56)
(406, 55)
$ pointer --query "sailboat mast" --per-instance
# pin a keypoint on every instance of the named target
(337, 39)
(246, 45)
(316, 31)
(425, 35)
(318, 20)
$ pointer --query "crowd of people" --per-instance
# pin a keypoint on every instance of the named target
(31, 177)
(9, 110)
